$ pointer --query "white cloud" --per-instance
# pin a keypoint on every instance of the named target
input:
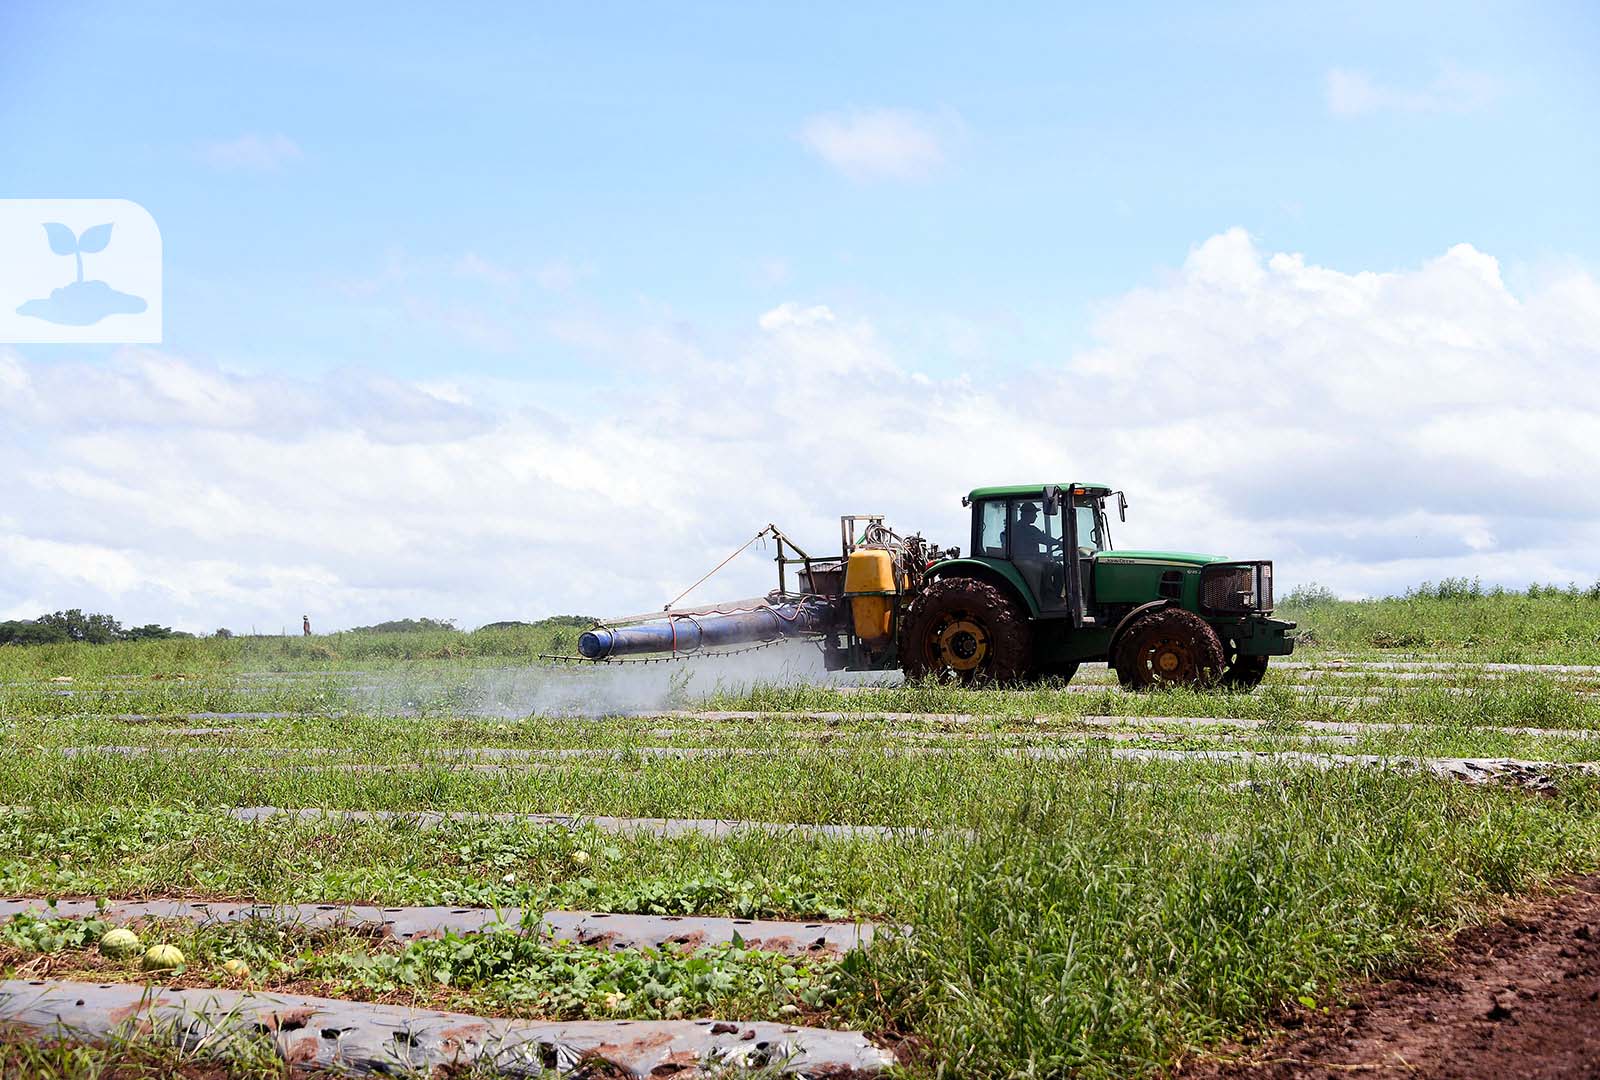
(1453, 89)
(881, 144)
(1365, 429)
(1370, 428)
(791, 316)
(252, 153)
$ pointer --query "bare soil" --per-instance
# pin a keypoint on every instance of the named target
(1519, 997)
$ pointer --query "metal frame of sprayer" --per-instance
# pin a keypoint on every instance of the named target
(850, 604)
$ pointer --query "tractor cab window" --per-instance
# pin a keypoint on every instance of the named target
(1092, 533)
(1037, 549)
(1033, 533)
(992, 529)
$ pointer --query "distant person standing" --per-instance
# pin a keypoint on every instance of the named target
(305, 623)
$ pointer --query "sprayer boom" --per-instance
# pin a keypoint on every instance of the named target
(684, 633)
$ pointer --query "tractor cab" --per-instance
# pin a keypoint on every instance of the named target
(1045, 538)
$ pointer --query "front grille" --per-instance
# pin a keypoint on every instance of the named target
(1236, 588)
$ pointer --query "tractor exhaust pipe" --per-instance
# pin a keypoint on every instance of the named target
(689, 633)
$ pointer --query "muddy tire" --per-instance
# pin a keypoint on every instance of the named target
(964, 630)
(1169, 648)
(1242, 672)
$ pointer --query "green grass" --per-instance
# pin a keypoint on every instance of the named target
(1085, 916)
(288, 653)
(1106, 920)
(76, 851)
(1108, 935)
(456, 703)
(1550, 627)
(145, 1057)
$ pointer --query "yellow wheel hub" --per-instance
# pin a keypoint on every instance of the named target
(1170, 661)
(963, 644)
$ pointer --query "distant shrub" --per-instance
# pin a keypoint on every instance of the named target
(1310, 594)
(223, 632)
(552, 622)
(149, 632)
(581, 622)
(405, 626)
(1450, 588)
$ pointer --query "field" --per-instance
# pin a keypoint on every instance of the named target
(1062, 881)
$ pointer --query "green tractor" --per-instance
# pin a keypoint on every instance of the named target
(1044, 591)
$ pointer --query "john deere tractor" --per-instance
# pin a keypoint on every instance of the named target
(1041, 592)
(1044, 591)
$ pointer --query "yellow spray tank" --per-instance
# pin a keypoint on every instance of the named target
(870, 586)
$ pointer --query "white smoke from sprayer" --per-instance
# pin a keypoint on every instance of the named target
(607, 689)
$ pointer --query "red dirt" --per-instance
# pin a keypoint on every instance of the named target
(1519, 997)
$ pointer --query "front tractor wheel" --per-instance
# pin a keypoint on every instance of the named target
(964, 630)
(1169, 648)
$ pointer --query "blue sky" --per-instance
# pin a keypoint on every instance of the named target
(532, 207)
(657, 152)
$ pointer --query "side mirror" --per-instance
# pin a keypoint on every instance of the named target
(1122, 506)
(1052, 501)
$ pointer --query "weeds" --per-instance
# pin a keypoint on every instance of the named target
(1460, 618)
(498, 971)
(1076, 916)
(558, 980)
(1104, 936)
(144, 1057)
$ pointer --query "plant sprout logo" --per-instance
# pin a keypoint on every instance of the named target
(79, 271)
(81, 303)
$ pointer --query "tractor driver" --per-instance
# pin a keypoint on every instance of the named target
(1028, 541)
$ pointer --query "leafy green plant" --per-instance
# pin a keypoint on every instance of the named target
(49, 934)
(747, 897)
(562, 979)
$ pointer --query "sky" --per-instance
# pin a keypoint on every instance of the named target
(510, 310)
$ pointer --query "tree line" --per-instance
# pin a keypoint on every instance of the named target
(77, 625)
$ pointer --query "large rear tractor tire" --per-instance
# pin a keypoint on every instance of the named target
(964, 630)
(1243, 673)
(1169, 648)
